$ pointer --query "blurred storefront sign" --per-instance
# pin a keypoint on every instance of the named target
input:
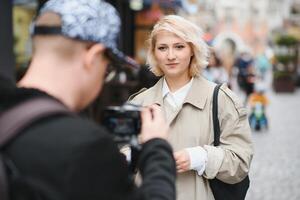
(23, 13)
(149, 16)
(144, 21)
(136, 4)
(22, 17)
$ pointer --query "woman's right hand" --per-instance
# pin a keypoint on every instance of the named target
(183, 161)
(153, 124)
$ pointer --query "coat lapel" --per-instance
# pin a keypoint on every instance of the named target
(196, 96)
(155, 95)
(173, 113)
(198, 93)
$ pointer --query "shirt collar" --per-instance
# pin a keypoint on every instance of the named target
(180, 92)
(197, 95)
(165, 88)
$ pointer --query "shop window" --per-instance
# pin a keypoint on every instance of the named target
(23, 13)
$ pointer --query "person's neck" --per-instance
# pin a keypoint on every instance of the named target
(175, 83)
(56, 83)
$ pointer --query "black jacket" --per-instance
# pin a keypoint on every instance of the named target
(64, 157)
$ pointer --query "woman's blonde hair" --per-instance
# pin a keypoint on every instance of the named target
(186, 30)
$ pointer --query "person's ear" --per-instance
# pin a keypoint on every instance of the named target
(94, 56)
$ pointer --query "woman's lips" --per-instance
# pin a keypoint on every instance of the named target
(172, 64)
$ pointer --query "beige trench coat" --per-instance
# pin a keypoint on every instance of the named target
(192, 126)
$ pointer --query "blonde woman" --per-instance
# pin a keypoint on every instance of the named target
(178, 55)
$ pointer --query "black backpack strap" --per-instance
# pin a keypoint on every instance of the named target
(14, 120)
(25, 113)
(222, 190)
(216, 123)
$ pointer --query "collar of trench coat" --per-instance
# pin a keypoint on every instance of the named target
(197, 95)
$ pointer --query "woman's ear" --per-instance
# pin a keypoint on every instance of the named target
(94, 56)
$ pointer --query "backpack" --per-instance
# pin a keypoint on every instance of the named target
(16, 119)
(221, 190)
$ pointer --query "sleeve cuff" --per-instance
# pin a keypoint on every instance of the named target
(198, 159)
(215, 158)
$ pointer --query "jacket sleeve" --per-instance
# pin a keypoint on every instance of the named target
(158, 171)
(230, 162)
(98, 170)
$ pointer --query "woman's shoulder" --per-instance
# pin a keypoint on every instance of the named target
(145, 93)
(141, 97)
(230, 101)
(203, 83)
(138, 94)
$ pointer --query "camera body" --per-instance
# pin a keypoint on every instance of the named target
(124, 121)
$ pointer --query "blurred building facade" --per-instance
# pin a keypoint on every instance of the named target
(233, 26)
(230, 26)
(249, 20)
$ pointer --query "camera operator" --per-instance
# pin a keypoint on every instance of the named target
(65, 157)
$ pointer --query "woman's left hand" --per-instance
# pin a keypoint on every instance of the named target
(183, 162)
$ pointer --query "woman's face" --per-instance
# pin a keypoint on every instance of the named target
(173, 54)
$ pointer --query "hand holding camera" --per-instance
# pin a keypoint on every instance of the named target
(129, 122)
(126, 122)
(153, 124)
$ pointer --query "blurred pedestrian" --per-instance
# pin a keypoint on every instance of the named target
(178, 54)
(66, 157)
(258, 102)
(246, 73)
(214, 71)
(262, 65)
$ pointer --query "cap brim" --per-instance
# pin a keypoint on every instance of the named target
(119, 58)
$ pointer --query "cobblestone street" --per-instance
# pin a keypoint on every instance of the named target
(275, 170)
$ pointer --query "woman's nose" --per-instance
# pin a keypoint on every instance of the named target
(171, 55)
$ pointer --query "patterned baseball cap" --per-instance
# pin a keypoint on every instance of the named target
(86, 20)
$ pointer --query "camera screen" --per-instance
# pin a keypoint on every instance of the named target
(122, 121)
(121, 126)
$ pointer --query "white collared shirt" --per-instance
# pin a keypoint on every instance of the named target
(176, 99)
(198, 155)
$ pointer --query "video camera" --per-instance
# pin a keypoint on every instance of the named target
(124, 122)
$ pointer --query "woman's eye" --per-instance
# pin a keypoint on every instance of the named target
(161, 48)
(179, 46)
